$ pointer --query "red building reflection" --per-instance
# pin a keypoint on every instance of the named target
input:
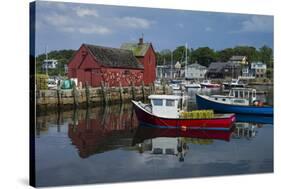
(101, 129)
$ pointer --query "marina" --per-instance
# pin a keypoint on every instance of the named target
(125, 93)
(90, 139)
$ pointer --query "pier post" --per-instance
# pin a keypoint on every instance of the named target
(121, 93)
(103, 91)
(133, 90)
(59, 98)
(142, 90)
(75, 96)
(87, 92)
(164, 87)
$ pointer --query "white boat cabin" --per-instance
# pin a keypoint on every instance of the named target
(237, 96)
(165, 105)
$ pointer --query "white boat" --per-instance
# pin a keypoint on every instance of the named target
(234, 83)
(175, 86)
(192, 85)
(209, 84)
(52, 84)
(239, 100)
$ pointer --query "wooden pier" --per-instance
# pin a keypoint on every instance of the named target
(73, 98)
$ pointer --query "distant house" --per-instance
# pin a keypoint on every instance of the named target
(223, 70)
(239, 60)
(259, 69)
(146, 55)
(242, 60)
(49, 64)
(195, 71)
(163, 72)
(96, 65)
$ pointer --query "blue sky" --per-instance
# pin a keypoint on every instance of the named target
(68, 25)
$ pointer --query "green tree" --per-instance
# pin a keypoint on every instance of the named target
(62, 56)
(204, 56)
(250, 52)
(225, 54)
(266, 55)
(179, 54)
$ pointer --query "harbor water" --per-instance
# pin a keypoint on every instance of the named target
(106, 144)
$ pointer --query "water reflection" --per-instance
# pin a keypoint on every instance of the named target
(102, 129)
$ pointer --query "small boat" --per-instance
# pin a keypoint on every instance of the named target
(192, 85)
(175, 86)
(164, 113)
(239, 100)
(209, 84)
(234, 83)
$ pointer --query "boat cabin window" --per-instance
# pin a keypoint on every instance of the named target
(223, 99)
(216, 98)
(236, 94)
(170, 102)
(241, 101)
(157, 102)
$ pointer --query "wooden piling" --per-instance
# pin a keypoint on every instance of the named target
(133, 90)
(103, 92)
(59, 98)
(121, 93)
(87, 91)
(75, 96)
(164, 87)
(142, 90)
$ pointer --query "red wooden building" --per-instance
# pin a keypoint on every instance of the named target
(94, 64)
(145, 53)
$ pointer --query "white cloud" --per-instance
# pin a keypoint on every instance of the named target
(257, 24)
(133, 22)
(68, 29)
(82, 12)
(94, 30)
(57, 19)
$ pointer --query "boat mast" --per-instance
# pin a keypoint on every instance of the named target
(185, 60)
(172, 64)
(47, 65)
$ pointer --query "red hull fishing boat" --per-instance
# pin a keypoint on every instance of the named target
(163, 112)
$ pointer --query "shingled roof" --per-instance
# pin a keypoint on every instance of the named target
(217, 67)
(137, 48)
(113, 57)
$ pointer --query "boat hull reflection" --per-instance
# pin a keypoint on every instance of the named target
(145, 132)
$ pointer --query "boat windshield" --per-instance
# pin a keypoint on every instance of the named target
(157, 102)
(243, 93)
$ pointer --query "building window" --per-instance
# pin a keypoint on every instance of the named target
(170, 102)
(157, 102)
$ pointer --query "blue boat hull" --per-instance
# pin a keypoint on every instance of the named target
(203, 103)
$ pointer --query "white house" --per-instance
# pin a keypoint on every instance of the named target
(49, 64)
(195, 71)
(259, 69)
(239, 59)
